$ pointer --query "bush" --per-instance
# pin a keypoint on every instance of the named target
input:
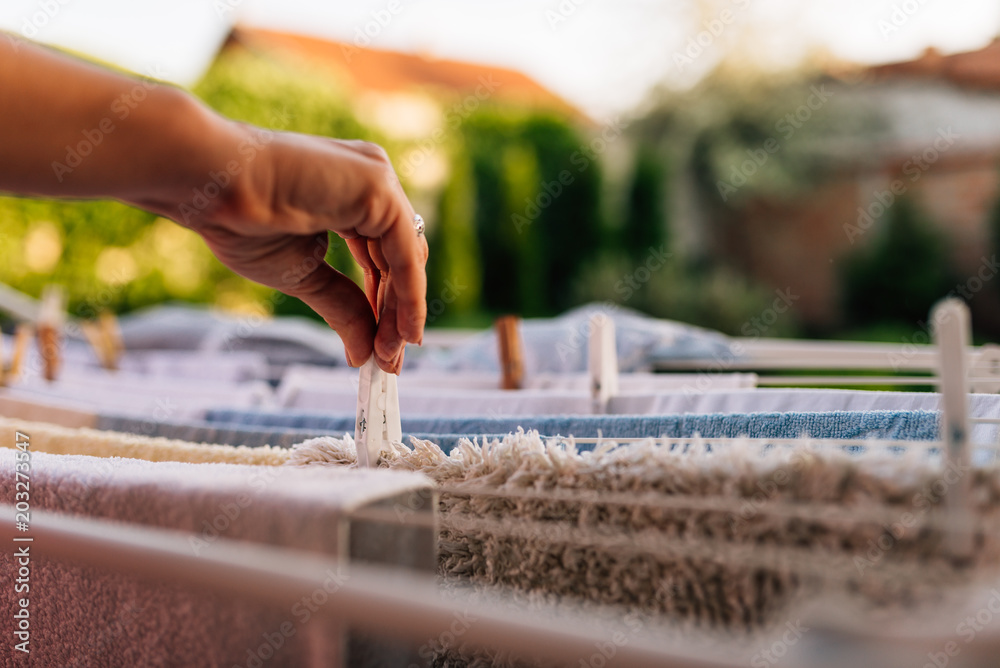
(901, 274)
(646, 224)
(536, 210)
(709, 296)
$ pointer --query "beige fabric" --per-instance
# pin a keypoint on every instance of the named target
(96, 443)
(727, 539)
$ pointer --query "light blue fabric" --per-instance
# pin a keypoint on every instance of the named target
(894, 425)
(207, 432)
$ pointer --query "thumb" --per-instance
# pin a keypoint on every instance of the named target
(344, 306)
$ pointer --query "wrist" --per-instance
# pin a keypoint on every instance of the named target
(207, 165)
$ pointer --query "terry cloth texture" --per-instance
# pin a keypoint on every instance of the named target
(200, 431)
(773, 400)
(726, 539)
(892, 425)
(722, 539)
(82, 616)
(98, 443)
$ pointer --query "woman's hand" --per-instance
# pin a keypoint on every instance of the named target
(264, 201)
(272, 228)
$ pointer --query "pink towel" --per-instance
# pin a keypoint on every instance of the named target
(92, 617)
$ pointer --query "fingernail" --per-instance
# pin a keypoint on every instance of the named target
(348, 356)
(388, 351)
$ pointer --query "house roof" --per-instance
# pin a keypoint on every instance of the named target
(971, 69)
(392, 71)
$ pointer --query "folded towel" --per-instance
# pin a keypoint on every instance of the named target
(725, 537)
(95, 617)
(895, 425)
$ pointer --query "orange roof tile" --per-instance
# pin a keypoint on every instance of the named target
(391, 71)
(974, 69)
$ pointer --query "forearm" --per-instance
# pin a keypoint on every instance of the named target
(68, 128)
(264, 202)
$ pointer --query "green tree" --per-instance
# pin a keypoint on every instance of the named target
(453, 267)
(901, 274)
(569, 227)
(536, 213)
(645, 215)
(994, 230)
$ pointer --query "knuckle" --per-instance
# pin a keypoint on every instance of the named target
(375, 150)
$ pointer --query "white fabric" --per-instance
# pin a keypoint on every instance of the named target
(123, 393)
(237, 366)
(475, 393)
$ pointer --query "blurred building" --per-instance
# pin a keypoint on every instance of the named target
(938, 141)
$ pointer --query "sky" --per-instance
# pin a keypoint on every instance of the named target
(602, 55)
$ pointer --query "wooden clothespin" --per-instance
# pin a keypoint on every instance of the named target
(9, 372)
(602, 361)
(511, 352)
(51, 317)
(377, 420)
(22, 335)
(105, 338)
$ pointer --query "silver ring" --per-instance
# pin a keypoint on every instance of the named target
(418, 224)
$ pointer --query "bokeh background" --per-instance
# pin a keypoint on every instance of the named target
(699, 160)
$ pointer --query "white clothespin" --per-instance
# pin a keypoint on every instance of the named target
(950, 319)
(602, 361)
(377, 420)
